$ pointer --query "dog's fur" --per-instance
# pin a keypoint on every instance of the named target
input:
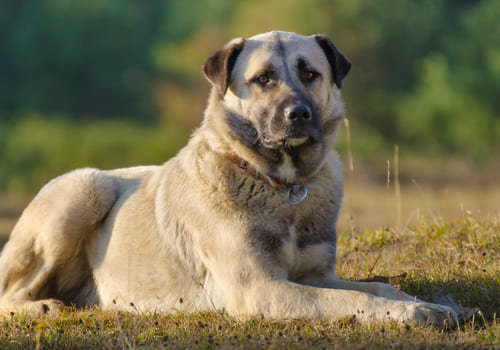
(200, 232)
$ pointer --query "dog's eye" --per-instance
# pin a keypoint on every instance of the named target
(263, 79)
(309, 75)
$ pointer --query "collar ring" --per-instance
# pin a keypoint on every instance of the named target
(296, 193)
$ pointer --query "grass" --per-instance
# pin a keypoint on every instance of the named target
(211, 330)
(457, 257)
(422, 239)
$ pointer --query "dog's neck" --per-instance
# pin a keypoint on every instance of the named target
(254, 172)
(295, 193)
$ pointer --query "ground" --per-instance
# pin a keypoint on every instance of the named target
(440, 241)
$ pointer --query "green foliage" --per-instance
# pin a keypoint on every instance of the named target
(36, 149)
(426, 74)
(79, 58)
(437, 115)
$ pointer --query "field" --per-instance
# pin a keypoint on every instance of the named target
(424, 240)
(117, 83)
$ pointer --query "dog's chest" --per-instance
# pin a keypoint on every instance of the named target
(305, 252)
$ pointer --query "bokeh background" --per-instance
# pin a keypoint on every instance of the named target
(114, 83)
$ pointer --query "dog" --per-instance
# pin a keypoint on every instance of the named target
(243, 219)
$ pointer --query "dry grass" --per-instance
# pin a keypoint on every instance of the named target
(459, 257)
(424, 240)
(101, 330)
(373, 206)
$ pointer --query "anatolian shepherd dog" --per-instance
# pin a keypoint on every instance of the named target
(242, 219)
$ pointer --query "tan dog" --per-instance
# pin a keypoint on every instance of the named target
(243, 218)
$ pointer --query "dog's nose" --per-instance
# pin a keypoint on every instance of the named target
(297, 113)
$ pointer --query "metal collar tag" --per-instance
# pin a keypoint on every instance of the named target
(296, 193)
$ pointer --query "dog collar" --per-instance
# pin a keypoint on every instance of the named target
(295, 193)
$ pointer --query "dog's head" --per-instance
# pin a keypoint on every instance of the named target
(280, 99)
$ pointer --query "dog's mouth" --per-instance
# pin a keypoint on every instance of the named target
(295, 141)
(287, 142)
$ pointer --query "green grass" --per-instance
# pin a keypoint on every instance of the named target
(457, 257)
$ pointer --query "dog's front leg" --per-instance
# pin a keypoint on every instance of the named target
(379, 289)
(278, 299)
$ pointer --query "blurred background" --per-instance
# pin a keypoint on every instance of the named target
(115, 83)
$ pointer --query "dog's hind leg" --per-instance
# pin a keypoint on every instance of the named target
(43, 264)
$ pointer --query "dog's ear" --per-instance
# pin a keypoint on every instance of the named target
(217, 69)
(340, 65)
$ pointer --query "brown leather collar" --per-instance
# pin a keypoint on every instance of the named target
(295, 193)
(243, 164)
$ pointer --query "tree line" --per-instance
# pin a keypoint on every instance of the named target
(426, 74)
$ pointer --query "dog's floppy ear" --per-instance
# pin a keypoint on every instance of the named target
(340, 65)
(218, 67)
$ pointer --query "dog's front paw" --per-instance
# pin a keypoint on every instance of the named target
(49, 307)
(426, 313)
(36, 308)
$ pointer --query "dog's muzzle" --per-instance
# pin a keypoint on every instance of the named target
(298, 117)
(294, 126)
(301, 125)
